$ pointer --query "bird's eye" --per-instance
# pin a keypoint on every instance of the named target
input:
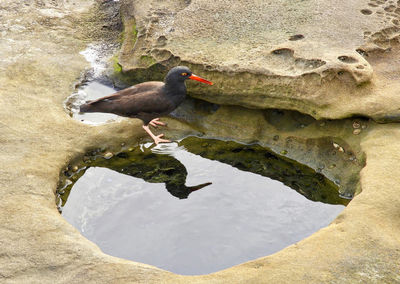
(184, 74)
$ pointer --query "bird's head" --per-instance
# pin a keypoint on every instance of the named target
(181, 73)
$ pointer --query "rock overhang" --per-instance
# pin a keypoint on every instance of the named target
(38, 139)
(310, 56)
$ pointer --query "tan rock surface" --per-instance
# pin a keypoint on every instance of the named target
(310, 56)
(40, 61)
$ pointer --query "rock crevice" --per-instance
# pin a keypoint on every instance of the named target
(299, 43)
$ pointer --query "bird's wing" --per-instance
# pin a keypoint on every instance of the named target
(148, 102)
(128, 92)
(134, 105)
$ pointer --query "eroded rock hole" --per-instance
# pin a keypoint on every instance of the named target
(283, 52)
(296, 37)
(366, 12)
(390, 8)
(196, 206)
(161, 41)
(309, 63)
(362, 52)
(347, 59)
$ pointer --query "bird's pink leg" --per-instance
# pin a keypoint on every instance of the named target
(155, 122)
(157, 139)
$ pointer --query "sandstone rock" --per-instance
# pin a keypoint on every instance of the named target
(271, 54)
(40, 44)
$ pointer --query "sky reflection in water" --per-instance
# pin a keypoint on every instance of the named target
(239, 217)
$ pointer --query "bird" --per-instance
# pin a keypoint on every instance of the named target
(148, 100)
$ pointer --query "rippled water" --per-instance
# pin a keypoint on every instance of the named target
(144, 215)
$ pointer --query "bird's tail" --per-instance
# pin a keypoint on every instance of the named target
(87, 107)
(197, 187)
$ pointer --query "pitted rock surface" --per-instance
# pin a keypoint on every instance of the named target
(309, 56)
(39, 65)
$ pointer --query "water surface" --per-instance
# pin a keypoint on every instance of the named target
(156, 206)
(90, 91)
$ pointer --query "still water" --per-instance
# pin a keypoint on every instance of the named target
(90, 91)
(192, 208)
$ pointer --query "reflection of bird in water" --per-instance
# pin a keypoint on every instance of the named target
(182, 191)
(147, 101)
(153, 168)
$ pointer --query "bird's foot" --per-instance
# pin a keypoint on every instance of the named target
(155, 122)
(157, 139)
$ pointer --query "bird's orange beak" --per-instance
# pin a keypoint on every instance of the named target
(197, 78)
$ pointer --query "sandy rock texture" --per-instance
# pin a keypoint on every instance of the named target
(40, 64)
(316, 57)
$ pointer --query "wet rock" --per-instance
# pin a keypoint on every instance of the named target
(356, 125)
(262, 161)
(40, 62)
(108, 155)
(338, 147)
(311, 145)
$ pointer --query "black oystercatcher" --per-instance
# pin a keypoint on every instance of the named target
(147, 101)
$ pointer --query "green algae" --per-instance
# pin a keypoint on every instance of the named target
(147, 60)
(262, 161)
(162, 168)
(134, 33)
(115, 63)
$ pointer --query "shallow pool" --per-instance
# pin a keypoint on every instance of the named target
(198, 206)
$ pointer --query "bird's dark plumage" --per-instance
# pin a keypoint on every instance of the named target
(148, 100)
(145, 101)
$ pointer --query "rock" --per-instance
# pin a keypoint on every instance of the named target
(356, 125)
(311, 145)
(300, 60)
(108, 155)
(40, 63)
